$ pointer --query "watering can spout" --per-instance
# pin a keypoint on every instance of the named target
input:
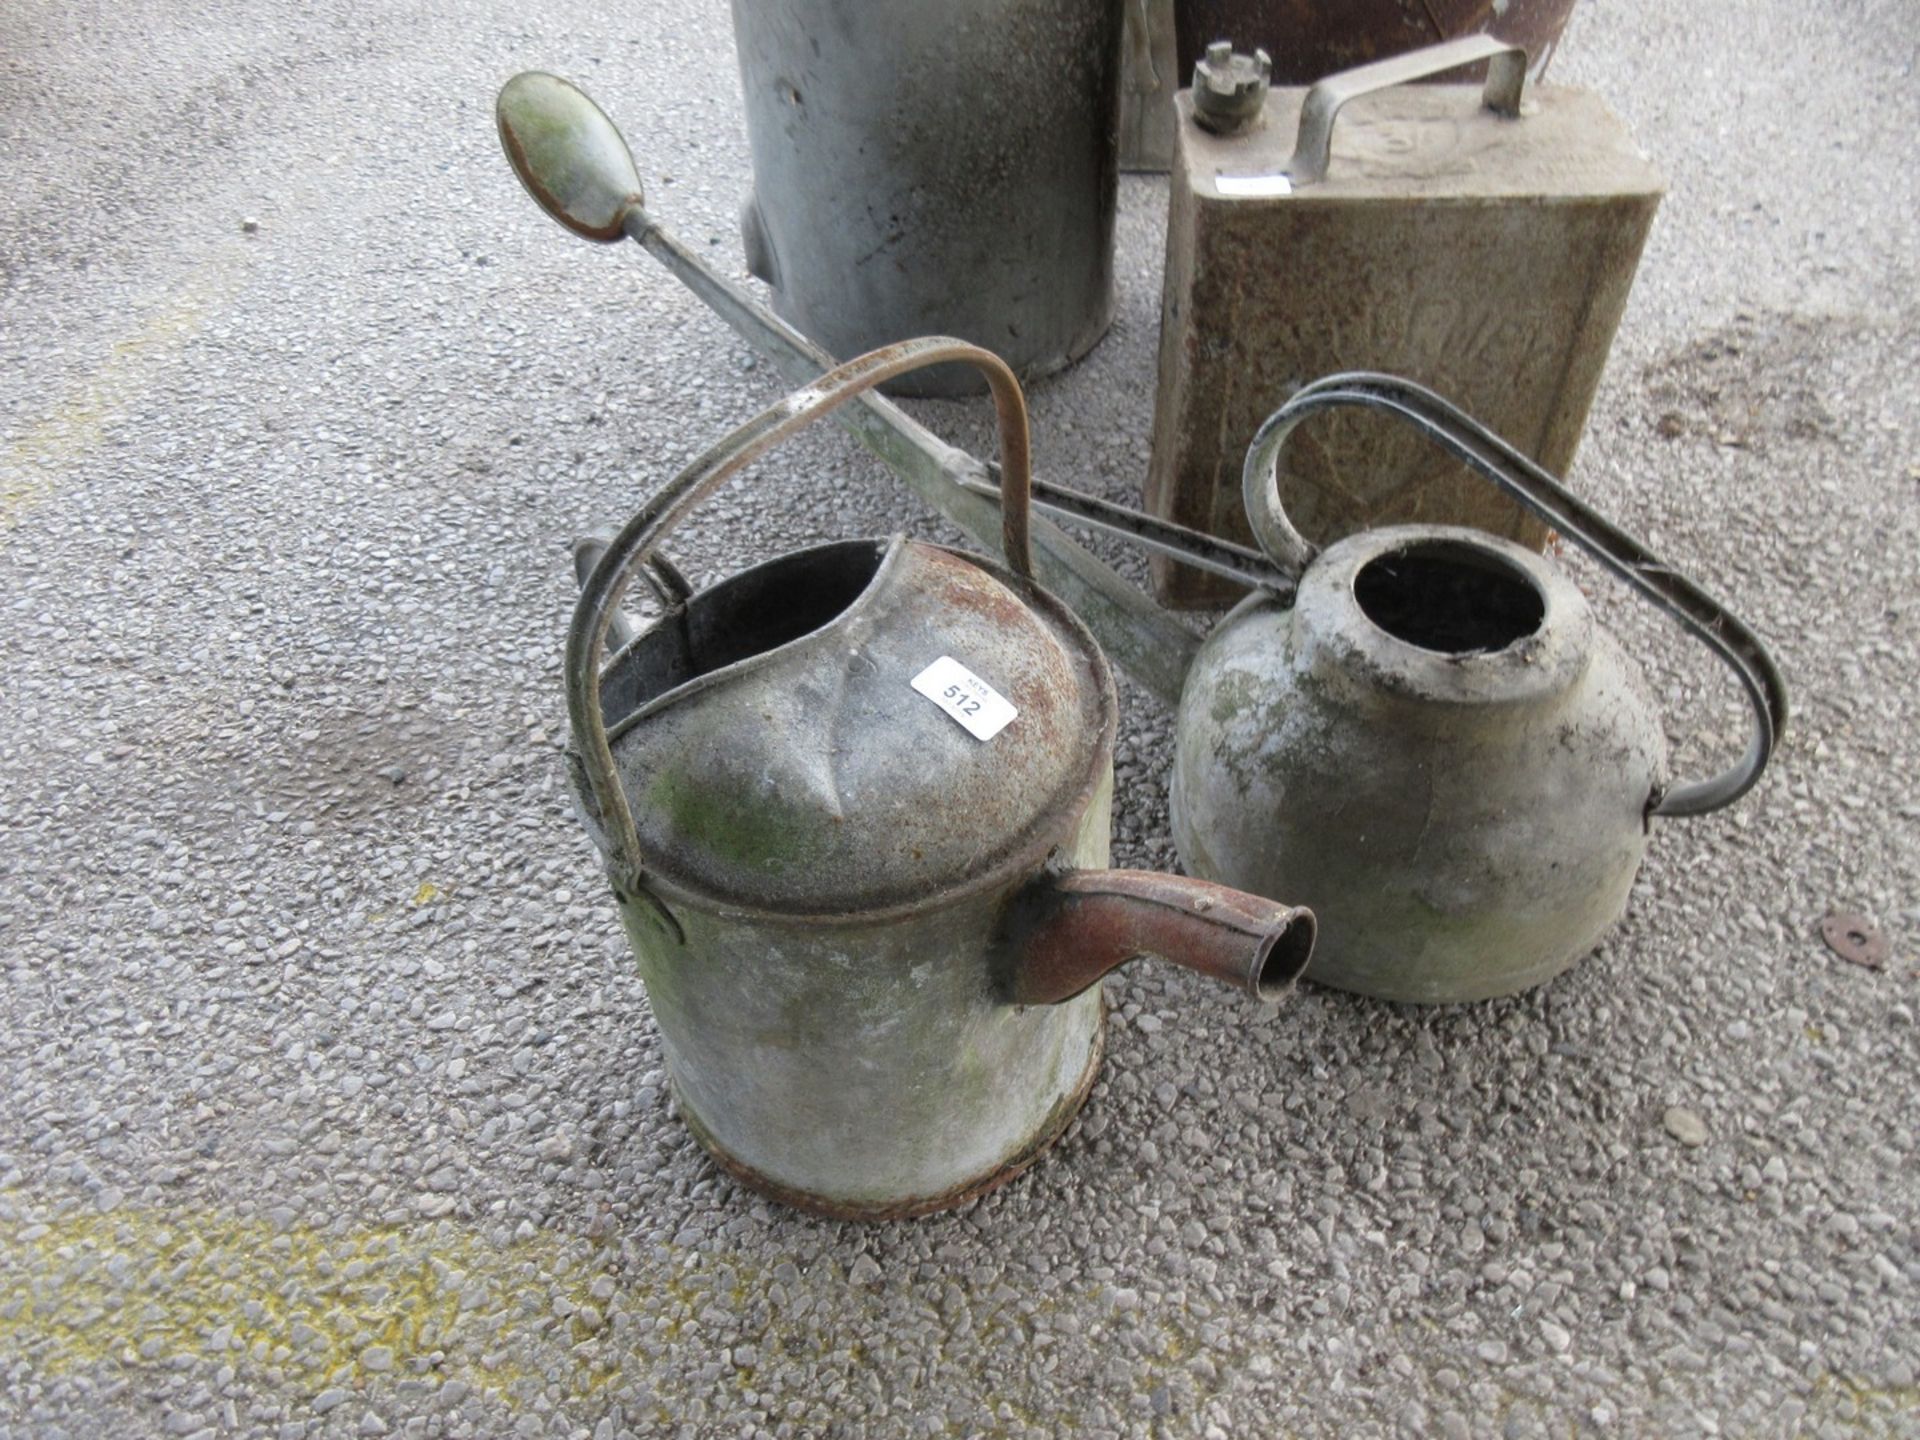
(1071, 927)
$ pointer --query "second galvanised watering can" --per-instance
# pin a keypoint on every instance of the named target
(1430, 738)
(854, 804)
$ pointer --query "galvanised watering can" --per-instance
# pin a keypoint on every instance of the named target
(1431, 738)
(854, 804)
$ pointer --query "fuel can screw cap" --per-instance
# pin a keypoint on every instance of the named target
(1229, 89)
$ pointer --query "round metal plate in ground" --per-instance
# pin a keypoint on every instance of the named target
(1855, 939)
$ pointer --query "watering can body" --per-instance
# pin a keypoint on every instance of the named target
(1430, 735)
(1468, 821)
(854, 805)
(929, 167)
(837, 854)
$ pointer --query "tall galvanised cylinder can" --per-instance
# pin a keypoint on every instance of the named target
(935, 167)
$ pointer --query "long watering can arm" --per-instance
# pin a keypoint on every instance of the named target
(1240, 563)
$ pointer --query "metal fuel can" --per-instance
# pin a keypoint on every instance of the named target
(1481, 241)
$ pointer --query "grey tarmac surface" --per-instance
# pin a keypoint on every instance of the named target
(332, 1104)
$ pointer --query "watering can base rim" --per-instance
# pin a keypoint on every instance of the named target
(1497, 987)
(1049, 1132)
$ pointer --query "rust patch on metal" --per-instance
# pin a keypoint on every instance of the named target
(1856, 940)
(961, 588)
(1044, 1139)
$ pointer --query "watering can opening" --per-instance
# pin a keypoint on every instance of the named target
(1285, 957)
(749, 614)
(1452, 597)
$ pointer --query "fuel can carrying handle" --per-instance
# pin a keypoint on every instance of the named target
(638, 541)
(1484, 452)
(1506, 78)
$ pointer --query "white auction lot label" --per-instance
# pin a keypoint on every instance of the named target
(981, 710)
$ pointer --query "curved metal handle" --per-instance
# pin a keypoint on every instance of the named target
(663, 577)
(1506, 77)
(1486, 453)
(635, 545)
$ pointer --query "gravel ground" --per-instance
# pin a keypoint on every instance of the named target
(334, 1106)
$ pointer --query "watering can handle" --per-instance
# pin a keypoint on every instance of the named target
(1313, 143)
(1485, 452)
(638, 541)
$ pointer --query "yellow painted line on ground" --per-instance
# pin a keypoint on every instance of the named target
(35, 465)
(305, 1309)
(547, 1321)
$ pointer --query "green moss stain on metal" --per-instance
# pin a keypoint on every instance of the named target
(752, 831)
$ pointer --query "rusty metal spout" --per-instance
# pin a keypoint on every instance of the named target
(1071, 927)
